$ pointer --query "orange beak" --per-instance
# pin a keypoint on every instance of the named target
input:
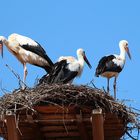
(1, 48)
(127, 50)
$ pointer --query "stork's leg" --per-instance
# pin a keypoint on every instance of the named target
(115, 87)
(25, 74)
(107, 85)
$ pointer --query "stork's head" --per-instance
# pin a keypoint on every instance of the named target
(81, 54)
(124, 45)
(2, 41)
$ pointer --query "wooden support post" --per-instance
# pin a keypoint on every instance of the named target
(81, 127)
(12, 131)
(97, 124)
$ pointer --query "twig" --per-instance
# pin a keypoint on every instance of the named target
(130, 136)
(17, 124)
(16, 75)
(92, 83)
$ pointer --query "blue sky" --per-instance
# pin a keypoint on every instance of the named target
(63, 26)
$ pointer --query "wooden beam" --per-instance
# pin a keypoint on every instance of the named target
(97, 124)
(37, 133)
(61, 134)
(81, 127)
(12, 131)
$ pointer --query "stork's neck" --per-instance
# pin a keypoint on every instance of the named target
(81, 60)
(122, 53)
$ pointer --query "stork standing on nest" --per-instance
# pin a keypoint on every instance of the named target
(67, 68)
(26, 50)
(110, 66)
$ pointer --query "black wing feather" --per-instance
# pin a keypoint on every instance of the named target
(69, 76)
(39, 51)
(54, 75)
(106, 64)
(60, 74)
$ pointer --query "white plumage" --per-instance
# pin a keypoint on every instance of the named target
(68, 67)
(16, 38)
(76, 65)
(118, 61)
(111, 65)
(26, 50)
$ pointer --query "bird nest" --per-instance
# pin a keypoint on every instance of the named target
(67, 95)
(56, 94)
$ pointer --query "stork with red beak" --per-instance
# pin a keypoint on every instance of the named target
(68, 68)
(26, 50)
(111, 65)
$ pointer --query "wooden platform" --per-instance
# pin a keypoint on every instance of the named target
(59, 123)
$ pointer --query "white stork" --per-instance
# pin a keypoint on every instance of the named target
(26, 50)
(67, 68)
(111, 65)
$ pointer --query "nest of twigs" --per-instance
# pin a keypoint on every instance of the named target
(67, 95)
(61, 95)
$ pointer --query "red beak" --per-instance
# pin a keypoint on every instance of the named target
(127, 50)
(1, 48)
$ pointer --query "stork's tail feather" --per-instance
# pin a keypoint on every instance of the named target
(55, 74)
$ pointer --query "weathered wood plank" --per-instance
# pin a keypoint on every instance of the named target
(82, 128)
(62, 134)
(60, 128)
(12, 131)
(97, 125)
